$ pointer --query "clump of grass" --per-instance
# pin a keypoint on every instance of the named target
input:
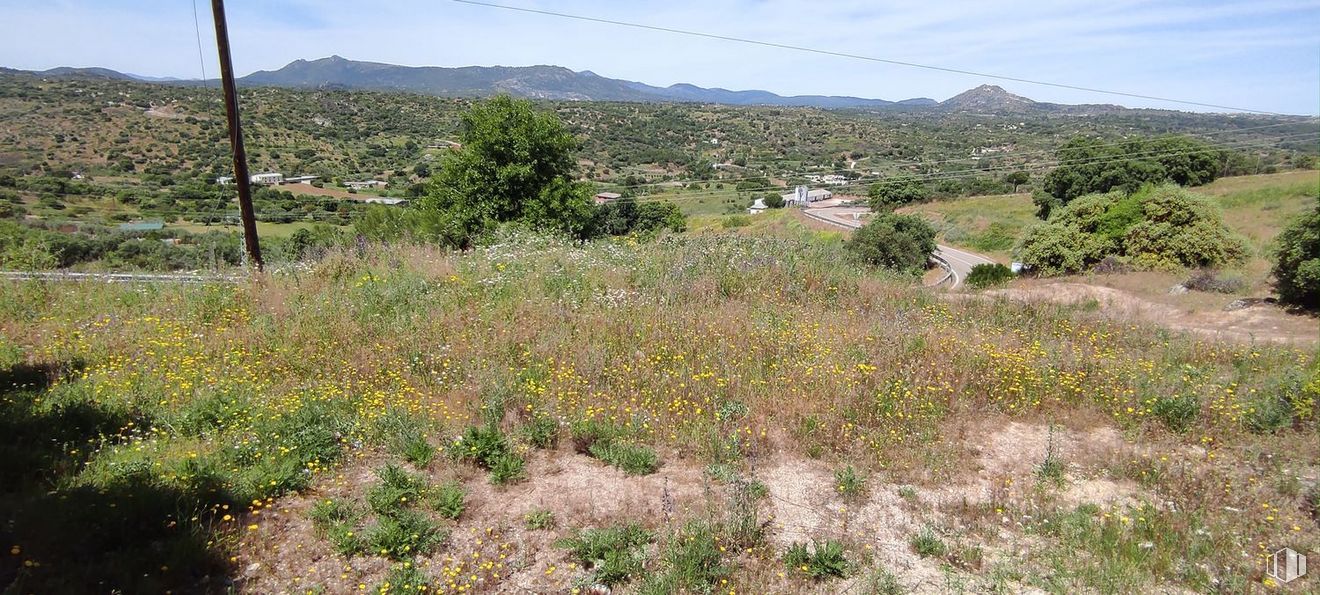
(507, 468)
(882, 582)
(448, 499)
(633, 459)
(1268, 415)
(614, 555)
(850, 484)
(404, 578)
(488, 448)
(404, 436)
(337, 520)
(398, 489)
(928, 545)
(588, 432)
(742, 524)
(541, 431)
(821, 561)
(691, 563)
(403, 535)
(539, 520)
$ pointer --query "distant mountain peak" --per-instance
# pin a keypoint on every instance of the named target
(991, 98)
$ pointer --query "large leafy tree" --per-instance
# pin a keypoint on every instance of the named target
(1297, 264)
(896, 192)
(516, 164)
(1090, 166)
(900, 242)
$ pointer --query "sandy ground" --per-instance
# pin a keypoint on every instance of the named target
(1263, 322)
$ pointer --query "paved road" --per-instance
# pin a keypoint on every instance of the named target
(959, 263)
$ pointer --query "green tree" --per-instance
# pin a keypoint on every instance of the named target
(1090, 165)
(896, 192)
(899, 242)
(1017, 178)
(515, 165)
(1297, 261)
(773, 200)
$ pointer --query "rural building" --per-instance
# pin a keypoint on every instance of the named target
(385, 201)
(366, 184)
(268, 179)
(300, 180)
(605, 197)
(224, 180)
(802, 195)
(758, 207)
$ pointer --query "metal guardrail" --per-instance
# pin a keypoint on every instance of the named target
(117, 277)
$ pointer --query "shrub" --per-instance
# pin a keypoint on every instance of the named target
(507, 468)
(928, 545)
(588, 432)
(899, 242)
(733, 221)
(1297, 261)
(490, 450)
(1267, 415)
(633, 459)
(613, 554)
(539, 520)
(448, 500)
(822, 561)
(986, 275)
(691, 563)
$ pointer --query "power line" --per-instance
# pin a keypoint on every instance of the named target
(861, 57)
(197, 27)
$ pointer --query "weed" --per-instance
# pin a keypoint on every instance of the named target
(337, 520)
(849, 483)
(416, 450)
(633, 459)
(539, 520)
(880, 581)
(908, 493)
(691, 562)
(448, 499)
(822, 561)
(586, 433)
(541, 431)
(507, 468)
(398, 489)
(613, 554)
(1268, 415)
(482, 445)
(1177, 412)
(742, 524)
(1052, 469)
(404, 578)
(928, 545)
(403, 535)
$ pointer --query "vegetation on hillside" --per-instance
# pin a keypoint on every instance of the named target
(1297, 261)
(1156, 228)
(903, 243)
(1094, 166)
(286, 431)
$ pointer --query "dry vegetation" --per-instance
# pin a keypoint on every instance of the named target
(703, 413)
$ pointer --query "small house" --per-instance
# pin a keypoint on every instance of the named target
(606, 197)
(267, 179)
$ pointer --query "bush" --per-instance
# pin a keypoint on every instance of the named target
(928, 545)
(1297, 261)
(986, 275)
(1267, 415)
(507, 468)
(1177, 412)
(692, 563)
(899, 242)
(733, 221)
(541, 431)
(404, 535)
(539, 520)
(397, 490)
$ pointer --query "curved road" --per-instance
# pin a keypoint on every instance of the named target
(959, 262)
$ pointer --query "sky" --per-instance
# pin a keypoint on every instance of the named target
(1255, 54)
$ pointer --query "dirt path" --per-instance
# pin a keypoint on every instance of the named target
(1257, 323)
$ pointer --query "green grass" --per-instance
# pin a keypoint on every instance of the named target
(614, 554)
(448, 499)
(928, 545)
(849, 483)
(633, 459)
(404, 534)
(397, 490)
(989, 225)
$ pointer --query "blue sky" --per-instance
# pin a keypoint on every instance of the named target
(1262, 54)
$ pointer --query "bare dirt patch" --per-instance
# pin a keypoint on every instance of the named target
(1257, 323)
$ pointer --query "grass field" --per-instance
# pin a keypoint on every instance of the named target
(713, 412)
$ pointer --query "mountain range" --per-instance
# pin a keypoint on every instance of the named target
(558, 83)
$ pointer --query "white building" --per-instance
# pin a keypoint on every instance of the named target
(268, 179)
(224, 180)
(758, 207)
(803, 195)
(366, 184)
(300, 180)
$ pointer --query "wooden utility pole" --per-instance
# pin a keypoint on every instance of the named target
(241, 177)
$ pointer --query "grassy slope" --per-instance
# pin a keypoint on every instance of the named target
(150, 433)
